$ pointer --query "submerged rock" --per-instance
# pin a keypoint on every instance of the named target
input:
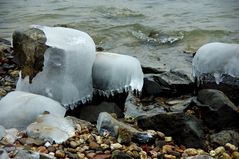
(50, 54)
(184, 128)
(25, 107)
(51, 128)
(217, 111)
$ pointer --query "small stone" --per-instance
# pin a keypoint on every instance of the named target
(115, 146)
(235, 155)
(51, 153)
(231, 147)
(60, 153)
(91, 155)
(212, 153)
(167, 148)
(74, 144)
(168, 138)
(42, 149)
(143, 155)
(201, 152)
(219, 150)
(160, 134)
(136, 154)
(153, 154)
(94, 145)
(47, 144)
(14, 73)
(225, 155)
(166, 156)
(99, 139)
(2, 92)
(51, 149)
(120, 155)
(80, 155)
(133, 147)
(191, 151)
(104, 146)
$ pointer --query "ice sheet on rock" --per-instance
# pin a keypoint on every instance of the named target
(217, 59)
(19, 109)
(51, 128)
(67, 71)
(116, 73)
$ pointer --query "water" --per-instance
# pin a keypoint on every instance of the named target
(157, 32)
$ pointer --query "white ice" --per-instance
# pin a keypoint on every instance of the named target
(67, 71)
(51, 128)
(116, 73)
(217, 59)
(19, 109)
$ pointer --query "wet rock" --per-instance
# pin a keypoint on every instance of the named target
(168, 83)
(31, 141)
(95, 110)
(11, 135)
(143, 138)
(184, 128)
(135, 108)
(217, 111)
(223, 137)
(120, 155)
(3, 154)
(51, 128)
(29, 48)
(24, 108)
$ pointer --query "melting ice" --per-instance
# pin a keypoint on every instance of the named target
(217, 59)
(67, 71)
(116, 73)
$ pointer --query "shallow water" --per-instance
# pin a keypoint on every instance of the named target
(155, 31)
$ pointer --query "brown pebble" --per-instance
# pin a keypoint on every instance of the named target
(93, 145)
(235, 155)
(60, 153)
(51, 149)
(91, 155)
(167, 156)
(42, 149)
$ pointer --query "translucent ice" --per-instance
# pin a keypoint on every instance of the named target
(51, 128)
(19, 109)
(67, 71)
(116, 73)
(217, 59)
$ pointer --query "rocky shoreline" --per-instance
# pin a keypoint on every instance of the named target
(168, 121)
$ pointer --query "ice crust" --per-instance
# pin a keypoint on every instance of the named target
(67, 71)
(115, 73)
(51, 128)
(19, 109)
(217, 59)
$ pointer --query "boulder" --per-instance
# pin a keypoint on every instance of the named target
(51, 128)
(217, 111)
(168, 83)
(25, 107)
(223, 137)
(184, 128)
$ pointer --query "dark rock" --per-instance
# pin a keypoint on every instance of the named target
(225, 136)
(167, 84)
(94, 110)
(229, 85)
(217, 111)
(120, 155)
(29, 48)
(184, 128)
(143, 138)
(135, 108)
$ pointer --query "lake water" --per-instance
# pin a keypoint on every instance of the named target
(157, 32)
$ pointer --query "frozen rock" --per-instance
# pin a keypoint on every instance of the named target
(3, 154)
(51, 128)
(19, 109)
(218, 59)
(116, 73)
(65, 58)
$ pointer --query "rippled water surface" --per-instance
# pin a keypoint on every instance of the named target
(156, 31)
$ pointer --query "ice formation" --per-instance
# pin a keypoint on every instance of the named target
(67, 71)
(217, 59)
(51, 128)
(116, 73)
(19, 109)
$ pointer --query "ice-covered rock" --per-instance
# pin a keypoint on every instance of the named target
(66, 73)
(218, 59)
(3, 154)
(19, 109)
(115, 73)
(51, 128)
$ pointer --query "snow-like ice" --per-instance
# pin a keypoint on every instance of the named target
(67, 71)
(19, 109)
(217, 59)
(51, 128)
(116, 73)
